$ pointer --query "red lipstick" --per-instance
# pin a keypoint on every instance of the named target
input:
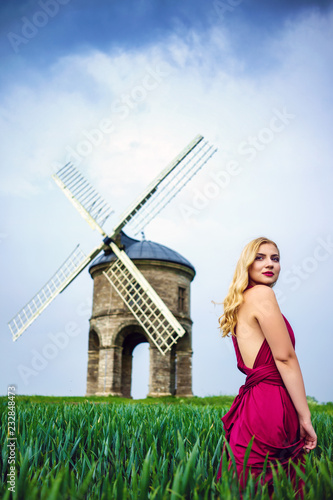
(268, 274)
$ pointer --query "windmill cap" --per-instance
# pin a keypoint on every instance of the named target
(144, 250)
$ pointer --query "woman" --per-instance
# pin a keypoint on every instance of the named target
(272, 404)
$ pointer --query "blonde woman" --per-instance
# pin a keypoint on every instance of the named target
(271, 405)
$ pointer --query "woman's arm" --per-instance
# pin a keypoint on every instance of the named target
(291, 375)
(268, 314)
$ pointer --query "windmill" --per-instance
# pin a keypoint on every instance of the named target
(160, 325)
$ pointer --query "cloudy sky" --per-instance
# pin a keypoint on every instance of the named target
(119, 88)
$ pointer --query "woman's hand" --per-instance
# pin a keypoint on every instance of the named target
(308, 433)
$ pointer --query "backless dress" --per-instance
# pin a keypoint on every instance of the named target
(263, 409)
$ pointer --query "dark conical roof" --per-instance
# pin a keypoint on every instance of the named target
(144, 250)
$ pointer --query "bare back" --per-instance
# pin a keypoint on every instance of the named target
(248, 332)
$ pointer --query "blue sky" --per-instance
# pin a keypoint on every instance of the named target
(253, 77)
(80, 25)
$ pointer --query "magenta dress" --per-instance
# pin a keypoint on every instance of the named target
(263, 409)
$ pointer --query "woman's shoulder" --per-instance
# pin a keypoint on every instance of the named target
(259, 292)
(260, 299)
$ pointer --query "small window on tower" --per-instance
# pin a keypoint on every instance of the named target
(181, 299)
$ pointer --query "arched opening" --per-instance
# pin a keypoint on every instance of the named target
(93, 362)
(140, 371)
(131, 340)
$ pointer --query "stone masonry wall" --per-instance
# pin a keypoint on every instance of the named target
(114, 325)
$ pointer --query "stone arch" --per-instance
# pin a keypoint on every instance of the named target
(93, 362)
(127, 339)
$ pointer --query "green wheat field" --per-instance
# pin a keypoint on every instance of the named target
(112, 448)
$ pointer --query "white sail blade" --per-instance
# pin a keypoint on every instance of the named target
(85, 199)
(165, 187)
(147, 307)
(72, 266)
(171, 186)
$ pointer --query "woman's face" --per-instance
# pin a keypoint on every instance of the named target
(265, 269)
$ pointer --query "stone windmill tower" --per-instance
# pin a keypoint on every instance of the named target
(114, 331)
(146, 300)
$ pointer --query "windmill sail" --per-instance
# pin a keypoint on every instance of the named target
(151, 312)
(88, 202)
(167, 184)
(72, 266)
(147, 307)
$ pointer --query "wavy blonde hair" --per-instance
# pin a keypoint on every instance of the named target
(239, 283)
